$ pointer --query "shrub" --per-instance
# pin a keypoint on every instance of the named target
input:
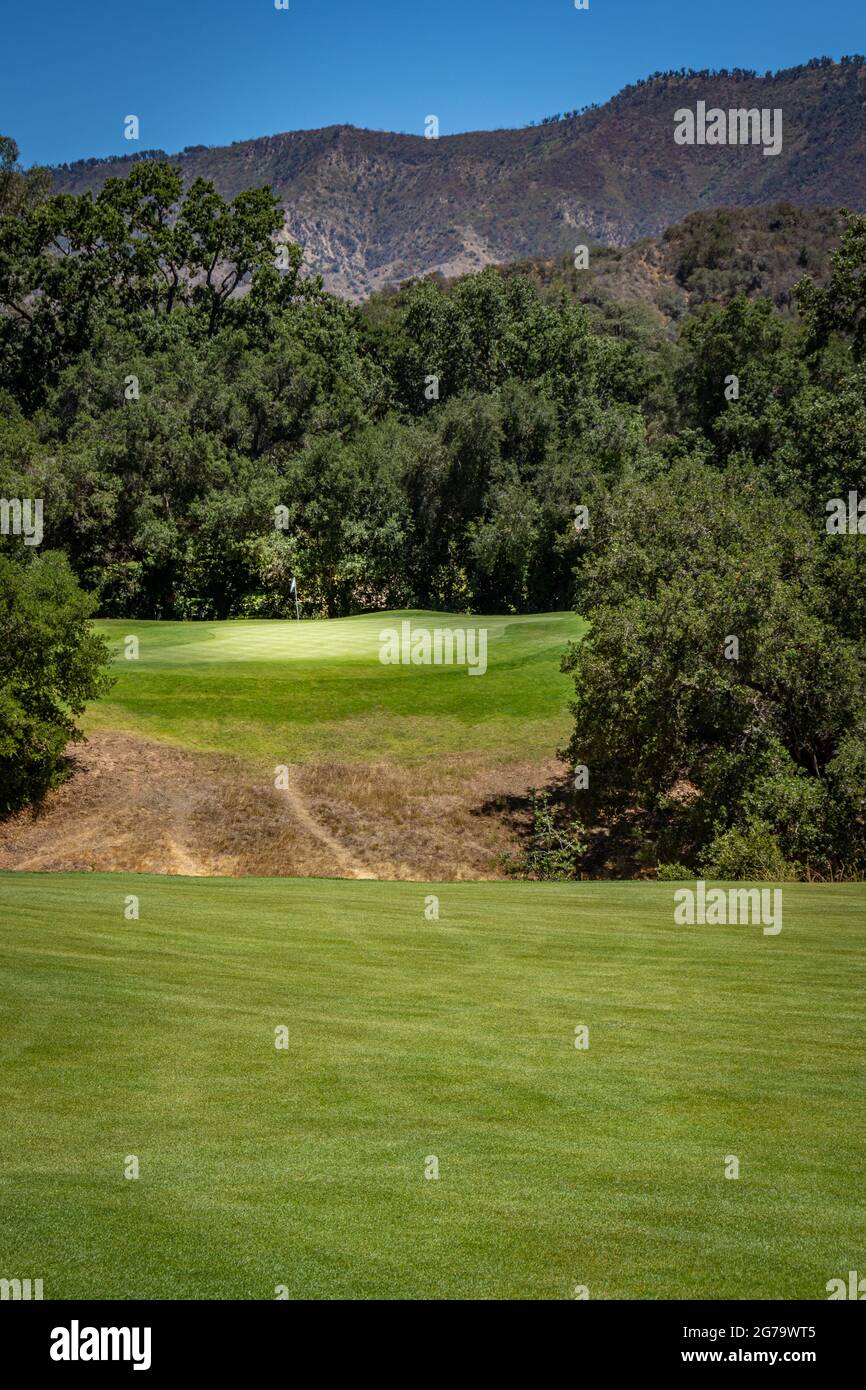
(671, 873)
(750, 853)
(552, 851)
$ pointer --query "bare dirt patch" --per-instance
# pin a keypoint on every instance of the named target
(140, 806)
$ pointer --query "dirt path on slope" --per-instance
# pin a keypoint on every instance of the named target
(140, 806)
(350, 865)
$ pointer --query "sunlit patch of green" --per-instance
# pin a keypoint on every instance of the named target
(290, 691)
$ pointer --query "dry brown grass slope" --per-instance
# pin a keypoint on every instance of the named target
(139, 806)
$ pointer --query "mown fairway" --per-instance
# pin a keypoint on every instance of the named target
(300, 691)
(410, 1038)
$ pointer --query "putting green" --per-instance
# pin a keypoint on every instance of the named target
(292, 692)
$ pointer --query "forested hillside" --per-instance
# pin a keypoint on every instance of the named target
(710, 256)
(484, 446)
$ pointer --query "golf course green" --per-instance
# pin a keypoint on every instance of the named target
(308, 1171)
(301, 691)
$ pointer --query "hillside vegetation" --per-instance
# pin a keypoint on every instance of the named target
(373, 208)
(483, 446)
(709, 257)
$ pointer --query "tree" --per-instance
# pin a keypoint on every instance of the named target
(51, 664)
(141, 248)
(738, 373)
(226, 242)
(20, 189)
(722, 686)
(840, 307)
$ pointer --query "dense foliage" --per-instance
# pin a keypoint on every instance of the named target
(426, 456)
(721, 700)
(51, 664)
(204, 424)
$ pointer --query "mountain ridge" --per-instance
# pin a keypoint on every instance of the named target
(374, 208)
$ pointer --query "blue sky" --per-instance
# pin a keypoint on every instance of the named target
(212, 71)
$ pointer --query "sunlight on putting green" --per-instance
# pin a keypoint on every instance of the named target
(317, 689)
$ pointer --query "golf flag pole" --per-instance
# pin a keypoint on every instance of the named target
(294, 590)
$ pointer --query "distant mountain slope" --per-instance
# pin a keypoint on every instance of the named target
(708, 256)
(372, 208)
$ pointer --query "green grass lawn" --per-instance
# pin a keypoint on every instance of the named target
(290, 691)
(411, 1038)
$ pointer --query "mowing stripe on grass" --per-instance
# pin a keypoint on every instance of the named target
(410, 1039)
